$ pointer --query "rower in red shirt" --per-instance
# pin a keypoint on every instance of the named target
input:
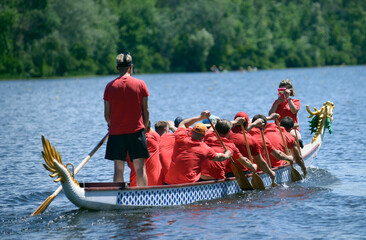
(288, 124)
(166, 145)
(255, 145)
(272, 150)
(214, 169)
(272, 133)
(152, 164)
(190, 152)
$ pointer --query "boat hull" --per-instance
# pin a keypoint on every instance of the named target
(103, 196)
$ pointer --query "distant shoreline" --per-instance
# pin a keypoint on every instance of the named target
(10, 78)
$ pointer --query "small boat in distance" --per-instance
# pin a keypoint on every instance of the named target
(109, 195)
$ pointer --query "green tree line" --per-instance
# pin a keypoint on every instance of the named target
(43, 38)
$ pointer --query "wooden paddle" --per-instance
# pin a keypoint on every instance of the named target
(257, 181)
(295, 175)
(239, 174)
(48, 201)
(298, 148)
(274, 184)
(298, 143)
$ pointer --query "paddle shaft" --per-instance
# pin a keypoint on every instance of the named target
(257, 181)
(298, 143)
(283, 139)
(246, 144)
(47, 202)
(239, 174)
(265, 148)
(218, 136)
(86, 159)
(295, 175)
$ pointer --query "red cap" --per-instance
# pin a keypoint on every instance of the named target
(243, 115)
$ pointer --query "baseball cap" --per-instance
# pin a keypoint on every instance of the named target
(200, 128)
(213, 119)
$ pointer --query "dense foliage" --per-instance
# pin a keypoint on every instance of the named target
(40, 38)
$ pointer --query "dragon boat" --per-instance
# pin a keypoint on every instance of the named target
(108, 195)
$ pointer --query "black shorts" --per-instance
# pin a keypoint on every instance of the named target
(134, 144)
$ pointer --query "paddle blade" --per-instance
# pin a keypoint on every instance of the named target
(44, 205)
(257, 182)
(295, 175)
(274, 184)
(240, 177)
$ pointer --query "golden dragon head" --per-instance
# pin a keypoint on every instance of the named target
(321, 118)
(50, 156)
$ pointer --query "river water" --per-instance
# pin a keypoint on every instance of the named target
(329, 204)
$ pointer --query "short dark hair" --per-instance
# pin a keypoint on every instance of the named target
(287, 122)
(178, 120)
(256, 117)
(223, 126)
(161, 125)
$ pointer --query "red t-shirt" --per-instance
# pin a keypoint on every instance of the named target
(284, 109)
(152, 164)
(125, 96)
(187, 159)
(237, 137)
(273, 134)
(217, 169)
(166, 146)
(257, 136)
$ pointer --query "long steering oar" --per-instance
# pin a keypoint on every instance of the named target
(274, 184)
(257, 181)
(239, 174)
(48, 201)
(295, 175)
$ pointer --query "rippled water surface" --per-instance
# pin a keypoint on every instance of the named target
(329, 204)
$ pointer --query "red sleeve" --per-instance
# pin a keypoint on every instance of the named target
(296, 103)
(235, 152)
(106, 91)
(180, 134)
(152, 141)
(209, 152)
(270, 147)
(145, 91)
(290, 140)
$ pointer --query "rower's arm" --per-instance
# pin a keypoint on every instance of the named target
(107, 112)
(189, 121)
(274, 107)
(282, 156)
(292, 106)
(171, 126)
(299, 160)
(145, 112)
(246, 163)
(222, 156)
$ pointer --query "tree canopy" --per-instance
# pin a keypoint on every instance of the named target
(43, 38)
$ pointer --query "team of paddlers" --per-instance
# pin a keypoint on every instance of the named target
(177, 153)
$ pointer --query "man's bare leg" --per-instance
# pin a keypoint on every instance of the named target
(141, 177)
(119, 168)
